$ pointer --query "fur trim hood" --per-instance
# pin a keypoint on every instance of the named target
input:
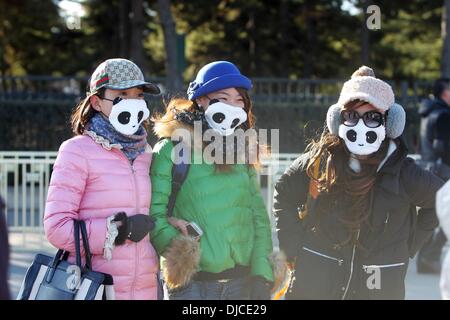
(165, 129)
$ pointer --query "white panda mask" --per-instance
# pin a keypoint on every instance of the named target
(362, 140)
(127, 115)
(224, 118)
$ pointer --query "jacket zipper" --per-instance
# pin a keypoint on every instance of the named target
(386, 221)
(339, 261)
(136, 254)
(136, 197)
(351, 266)
(384, 265)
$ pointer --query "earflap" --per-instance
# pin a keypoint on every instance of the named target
(395, 121)
(334, 119)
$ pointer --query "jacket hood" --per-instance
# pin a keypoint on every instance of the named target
(428, 105)
(165, 129)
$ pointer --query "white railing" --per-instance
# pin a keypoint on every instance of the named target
(24, 179)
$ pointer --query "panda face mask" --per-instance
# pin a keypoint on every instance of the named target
(223, 117)
(128, 114)
(361, 139)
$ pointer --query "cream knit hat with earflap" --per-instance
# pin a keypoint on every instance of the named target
(364, 86)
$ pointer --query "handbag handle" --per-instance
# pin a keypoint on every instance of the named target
(80, 226)
(76, 234)
(87, 250)
(62, 255)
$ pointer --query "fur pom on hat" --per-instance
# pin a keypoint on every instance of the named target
(364, 86)
(363, 71)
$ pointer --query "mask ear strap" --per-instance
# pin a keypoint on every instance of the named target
(91, 94)
(104, 115)
(198, 107)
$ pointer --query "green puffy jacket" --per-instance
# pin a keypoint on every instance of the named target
(227, 206)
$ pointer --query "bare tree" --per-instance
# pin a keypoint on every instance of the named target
(252, 47)
(137, 25)
(282, 37)
(310, 15)
(174, 79)
(365, 34)
(445, 32)
(124, 13)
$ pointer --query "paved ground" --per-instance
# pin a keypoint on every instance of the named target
(421, 287)
(417, 286)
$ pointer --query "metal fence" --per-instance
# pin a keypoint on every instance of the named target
(47, 88)
(25, 176)
(24, 179)
(266, 91)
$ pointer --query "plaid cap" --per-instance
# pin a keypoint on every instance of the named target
(120, 74)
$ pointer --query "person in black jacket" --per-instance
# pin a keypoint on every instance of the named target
(435, 124)
(4, 256)
(346, 208)
(435, 152)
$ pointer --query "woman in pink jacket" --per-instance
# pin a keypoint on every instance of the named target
(101, 176)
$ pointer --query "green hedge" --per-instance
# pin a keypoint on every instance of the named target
(35, 125)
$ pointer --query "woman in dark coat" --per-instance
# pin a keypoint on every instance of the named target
(4, 256)
(346, 208)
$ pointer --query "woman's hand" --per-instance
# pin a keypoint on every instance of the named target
(133, 228)
(180, 224)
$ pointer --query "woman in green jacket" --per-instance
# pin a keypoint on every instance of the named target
(232, 258)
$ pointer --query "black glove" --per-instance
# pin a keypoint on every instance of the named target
(134, 228)
(260, 288)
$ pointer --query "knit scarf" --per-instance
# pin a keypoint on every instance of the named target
(102, 131)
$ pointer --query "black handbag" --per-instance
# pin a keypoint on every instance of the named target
(53, 278)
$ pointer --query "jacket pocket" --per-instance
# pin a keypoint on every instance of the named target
(382, 266)
(338, 261)
(385, 281)
(317, 275)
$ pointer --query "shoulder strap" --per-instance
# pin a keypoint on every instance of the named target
(179, 174)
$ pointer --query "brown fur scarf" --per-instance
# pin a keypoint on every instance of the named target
(181, 262)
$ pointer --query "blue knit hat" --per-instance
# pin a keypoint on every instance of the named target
(215, 76)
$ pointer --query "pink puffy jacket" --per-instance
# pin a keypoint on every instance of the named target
(91, 183)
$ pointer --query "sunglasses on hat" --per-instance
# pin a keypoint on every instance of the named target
(372, 119)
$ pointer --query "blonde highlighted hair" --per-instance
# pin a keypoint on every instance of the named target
(177, 105)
